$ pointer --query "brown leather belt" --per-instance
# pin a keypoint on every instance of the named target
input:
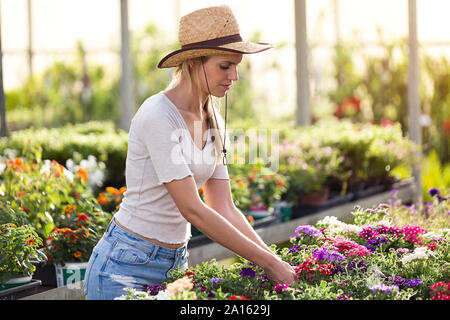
(154, 241)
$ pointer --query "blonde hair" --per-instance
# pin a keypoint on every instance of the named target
(184, 72)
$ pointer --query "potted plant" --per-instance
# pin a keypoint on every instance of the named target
(18, 247)
(70, 245)
(308, 170)
(266, 188)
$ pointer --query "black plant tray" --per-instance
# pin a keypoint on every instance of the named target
(20, 291)
(300, 210)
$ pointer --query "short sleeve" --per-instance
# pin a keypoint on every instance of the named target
(220, 172)
(163, 144)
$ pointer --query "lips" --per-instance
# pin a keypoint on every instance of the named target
(226, 86)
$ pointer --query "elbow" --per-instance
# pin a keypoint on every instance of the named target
(192, 211)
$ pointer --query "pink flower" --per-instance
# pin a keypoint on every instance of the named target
(412, 233)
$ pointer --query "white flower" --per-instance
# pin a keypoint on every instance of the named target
(163, 295)
(335, 226)
(46, 167)
(419, 253)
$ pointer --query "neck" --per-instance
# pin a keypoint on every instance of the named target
(186, 99)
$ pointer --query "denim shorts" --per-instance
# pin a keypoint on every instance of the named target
(121, 260)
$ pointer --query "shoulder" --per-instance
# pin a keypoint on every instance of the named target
(155, 111)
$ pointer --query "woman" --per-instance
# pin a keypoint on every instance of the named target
(174, 148)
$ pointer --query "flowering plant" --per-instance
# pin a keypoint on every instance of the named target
(37, 191)
(18, 246)
(308, 168)
(111, 198)
(370, 258)
(94, 169)
(75, 241)
(257, 187)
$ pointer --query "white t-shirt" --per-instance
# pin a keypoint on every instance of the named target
(161, 149)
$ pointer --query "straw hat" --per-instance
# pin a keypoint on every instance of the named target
(208, 31)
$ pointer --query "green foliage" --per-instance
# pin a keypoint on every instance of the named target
(434, 175)
(100, 139)
(18, 247)
(372, 258)
(48, 197)
(356, 154)
(378, 93)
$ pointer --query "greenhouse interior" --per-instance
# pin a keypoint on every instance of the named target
(328, 176)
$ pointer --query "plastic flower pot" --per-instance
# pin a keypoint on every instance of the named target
(316, 197)
(259, 212)
(71, 274)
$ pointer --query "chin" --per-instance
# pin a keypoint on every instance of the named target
(219, 95)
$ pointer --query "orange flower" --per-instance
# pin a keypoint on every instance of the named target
(18, 162)
(77, 254)
(66, 230)
(122, 190)
(30, 242)
(250, 219)
(102, 199)
(83, 173)
(21, 193)
(240, 184)
(200, 191)
(69, 208)
(280, 183)
(113, 191)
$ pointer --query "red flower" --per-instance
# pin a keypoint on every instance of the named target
(83, 217)
(386, 122)
(239, 298)
(432, 246)
(446, 125)
(189, 273)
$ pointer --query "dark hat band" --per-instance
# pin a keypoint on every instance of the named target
(213, 42)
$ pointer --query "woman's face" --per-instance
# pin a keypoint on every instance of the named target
(221, 72)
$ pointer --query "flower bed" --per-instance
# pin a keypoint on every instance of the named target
(372, 258)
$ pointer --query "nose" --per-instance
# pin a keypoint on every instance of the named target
(233, 74)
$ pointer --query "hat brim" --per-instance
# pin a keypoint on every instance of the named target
(173, 59)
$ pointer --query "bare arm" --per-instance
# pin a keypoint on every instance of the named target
(215, 226)
(218, 196)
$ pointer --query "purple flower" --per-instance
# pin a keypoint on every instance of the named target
(308, 230)
(338, 269)
(394, 192)
(279, 288)
(247, 272)
(294, 248)
(383, 288)
(215, 281)
(345, 297)
(412, 282)
(153, 290)
(357, 265)
(327, 255)
(399, 281)
(434, 191)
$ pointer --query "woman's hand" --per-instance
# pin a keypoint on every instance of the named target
(280, 272)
